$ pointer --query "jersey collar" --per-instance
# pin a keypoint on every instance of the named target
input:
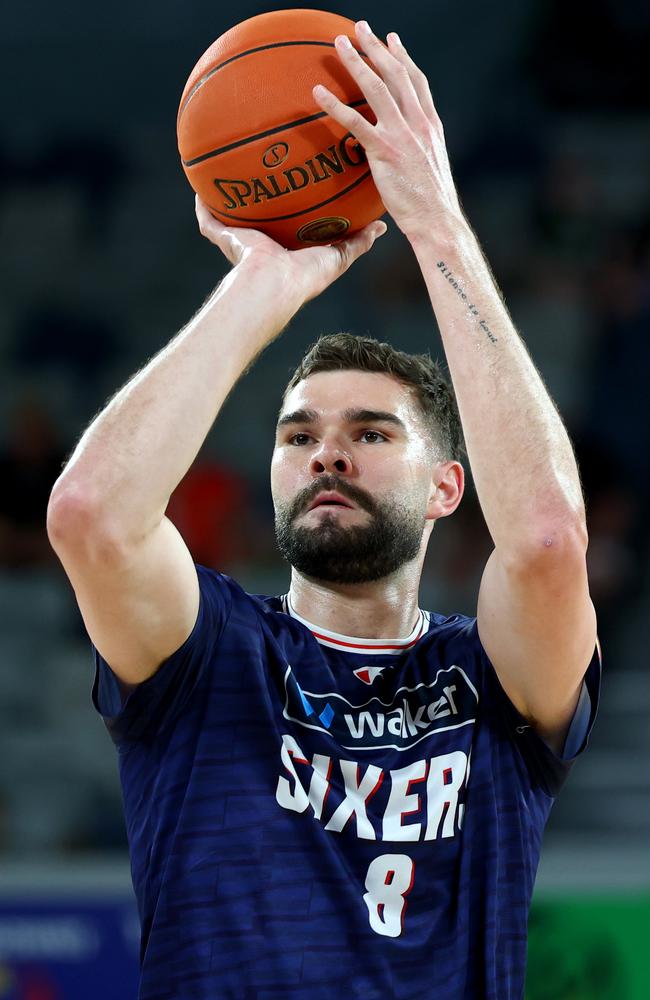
(353, 644)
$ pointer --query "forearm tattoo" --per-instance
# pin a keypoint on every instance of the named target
(447, 273)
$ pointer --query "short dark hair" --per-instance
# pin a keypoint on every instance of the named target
(433, 390)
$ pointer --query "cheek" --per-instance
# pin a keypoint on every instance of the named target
(407, 472)
(285, 476)
(276, 475)
(408, 482)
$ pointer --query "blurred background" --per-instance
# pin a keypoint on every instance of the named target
(546, 107)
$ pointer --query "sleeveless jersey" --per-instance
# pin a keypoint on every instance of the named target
(311, 815)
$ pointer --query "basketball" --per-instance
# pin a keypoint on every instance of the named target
(255, 145)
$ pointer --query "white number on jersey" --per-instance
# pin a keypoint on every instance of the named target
(388, 881)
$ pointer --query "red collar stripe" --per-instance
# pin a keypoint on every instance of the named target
(361, 646)
(353, 644)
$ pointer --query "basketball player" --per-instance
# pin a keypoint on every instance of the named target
(334, 793)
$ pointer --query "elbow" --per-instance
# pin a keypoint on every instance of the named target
(67, 512)
(568, 537)
(550, 545)
(556, 522)
(76, 522)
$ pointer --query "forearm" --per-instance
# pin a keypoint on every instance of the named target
(137, 450)
(519, 452)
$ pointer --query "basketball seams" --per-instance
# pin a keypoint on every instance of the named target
(240, 55)
(264, 135)
(293, 215)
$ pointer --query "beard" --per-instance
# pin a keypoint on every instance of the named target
(357, 554)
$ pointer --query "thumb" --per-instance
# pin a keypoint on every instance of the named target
(362, 241)
(328, 263)
(351, 249)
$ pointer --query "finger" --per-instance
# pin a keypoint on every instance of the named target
(372, 231)
(371, 84)
(418, 79)
(351, 249)
(346, 116)
(327, 263)
(393, 71)
(216, 232)
(208, 225)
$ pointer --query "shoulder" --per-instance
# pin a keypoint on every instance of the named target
(213, 583)
(457, 629)
(237, 605)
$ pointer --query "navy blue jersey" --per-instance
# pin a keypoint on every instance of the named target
(313, 816)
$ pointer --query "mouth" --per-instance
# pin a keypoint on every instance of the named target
(330, 500)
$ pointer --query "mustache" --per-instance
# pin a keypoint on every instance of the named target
(331, 483)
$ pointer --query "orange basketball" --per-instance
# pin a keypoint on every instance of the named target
(255, 145)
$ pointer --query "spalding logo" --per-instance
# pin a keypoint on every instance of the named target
(339, 158)
(275, 155)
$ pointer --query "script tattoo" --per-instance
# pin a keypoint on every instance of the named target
(446, 273)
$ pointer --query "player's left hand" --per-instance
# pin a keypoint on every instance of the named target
(406, 147)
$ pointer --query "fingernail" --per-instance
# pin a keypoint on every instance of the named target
(395, 37)
(365, 27)
(344, 42)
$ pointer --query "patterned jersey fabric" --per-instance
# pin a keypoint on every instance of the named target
(314, 816)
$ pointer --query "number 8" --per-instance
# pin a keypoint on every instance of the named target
(389, 881)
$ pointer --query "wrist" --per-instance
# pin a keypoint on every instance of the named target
(441, 234)
(269, 278)
(248, 309)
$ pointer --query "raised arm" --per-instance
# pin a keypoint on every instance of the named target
(133, 576)
(535, 618)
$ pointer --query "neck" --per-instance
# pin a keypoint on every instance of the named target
(383, 609)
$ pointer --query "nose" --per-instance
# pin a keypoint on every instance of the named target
(330, 457)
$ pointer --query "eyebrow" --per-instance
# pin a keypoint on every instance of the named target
(350, 416)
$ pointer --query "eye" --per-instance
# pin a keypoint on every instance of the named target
(375, 436)
(299, 438)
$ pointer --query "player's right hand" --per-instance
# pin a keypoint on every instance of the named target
(311, 270)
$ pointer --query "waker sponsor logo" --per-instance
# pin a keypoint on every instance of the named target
(399, 719)
(339, 158)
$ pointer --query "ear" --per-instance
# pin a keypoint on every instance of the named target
(447, 488)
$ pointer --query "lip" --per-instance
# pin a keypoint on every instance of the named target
(330, 498)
